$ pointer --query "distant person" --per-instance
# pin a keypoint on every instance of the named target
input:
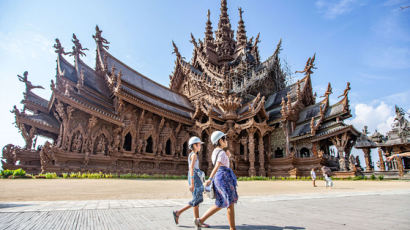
(406, 154)
(223, 181)
(313, 176)
(328, 179)
(195, 181)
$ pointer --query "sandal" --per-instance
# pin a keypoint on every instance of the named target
(198, 223)
(174, 213)
(203, 225)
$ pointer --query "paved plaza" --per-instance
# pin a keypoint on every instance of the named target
(341, 210)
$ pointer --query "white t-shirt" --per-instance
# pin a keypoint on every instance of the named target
(222, 157)
(313, 174)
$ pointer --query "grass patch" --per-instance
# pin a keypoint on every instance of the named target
(17, 173)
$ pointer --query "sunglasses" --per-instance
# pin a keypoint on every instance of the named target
(223, 138)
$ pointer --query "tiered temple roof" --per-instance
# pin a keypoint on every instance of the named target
(225, 86)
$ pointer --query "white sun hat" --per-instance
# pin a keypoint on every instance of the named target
(216, 136)
(194, 140)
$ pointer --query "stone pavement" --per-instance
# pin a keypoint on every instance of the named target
(335, 210)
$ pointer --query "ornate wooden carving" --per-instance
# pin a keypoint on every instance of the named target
(225, 82)
(251, 146)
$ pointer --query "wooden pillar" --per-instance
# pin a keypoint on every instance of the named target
(286, 127)
(314, 149)
(382, 167)
(251, 145)
(209, 149)
(400, 165)
(342, 158)
(244, 142)
(367, 159)
(268, 153)
(340, 142)
(261, 157)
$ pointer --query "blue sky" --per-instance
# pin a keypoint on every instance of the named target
(364, 42)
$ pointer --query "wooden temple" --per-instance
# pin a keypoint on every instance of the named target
(112, 118)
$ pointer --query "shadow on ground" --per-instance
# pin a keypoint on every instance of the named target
(13, 205)
(251, 227)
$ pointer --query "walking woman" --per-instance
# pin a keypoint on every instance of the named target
(195, 180)
(313, 176)
(223, 182)
(326, 175)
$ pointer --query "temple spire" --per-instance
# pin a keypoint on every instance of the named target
(241, 32)
(209, 36)
(224, 35)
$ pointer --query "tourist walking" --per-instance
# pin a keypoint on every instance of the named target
(223, 182)
(195, 181)
(313, 176)
(326, 175)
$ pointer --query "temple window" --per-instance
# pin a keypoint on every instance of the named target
(204, 119)
(148, 149)
(127, 142)
(185, 149)
(168, 147)
(278, 153)
(241, 149)
(304, 152)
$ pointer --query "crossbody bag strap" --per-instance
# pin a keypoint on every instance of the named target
(216, 158)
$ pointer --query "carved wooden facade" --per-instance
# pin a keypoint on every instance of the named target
(114, 119)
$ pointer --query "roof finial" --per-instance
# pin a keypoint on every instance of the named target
(59, 48)
(278, 48)
(176, 50)
(310, 64)
(29, 85)
(77, 48)
(257, 40)
(328, 91)
(346, 92)
(193, 40)
(99, 39)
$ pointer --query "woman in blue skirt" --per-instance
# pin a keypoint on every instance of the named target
(195, 180)
(223, 181)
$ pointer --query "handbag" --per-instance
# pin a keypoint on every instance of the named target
(211, 190)
(201, 175)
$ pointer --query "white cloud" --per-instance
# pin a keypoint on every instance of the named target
(332, 9)
(379, 116)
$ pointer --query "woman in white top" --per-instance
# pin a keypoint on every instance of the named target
(195, 180)
(223, 181)
(313, 176)
(326, 175)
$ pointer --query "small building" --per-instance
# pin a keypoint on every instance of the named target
(396, 141)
